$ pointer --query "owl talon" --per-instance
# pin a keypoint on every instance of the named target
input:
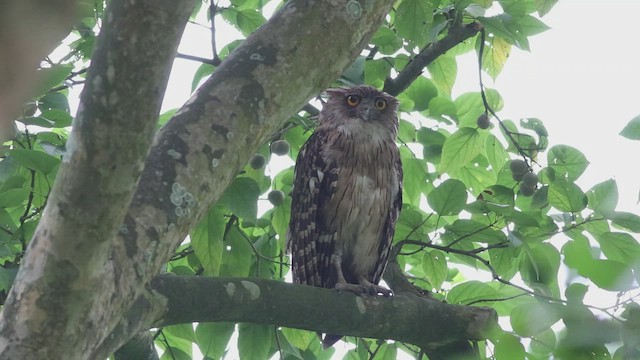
(366, 289)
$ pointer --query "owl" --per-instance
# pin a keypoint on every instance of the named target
(347, 194)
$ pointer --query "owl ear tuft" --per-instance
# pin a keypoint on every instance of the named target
(335, 92)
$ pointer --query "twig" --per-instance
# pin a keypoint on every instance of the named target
(456, 35)
(199, 59)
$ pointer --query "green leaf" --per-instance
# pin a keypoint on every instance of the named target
(202, 71)
(415, 176)
(439, 106)
(626, 220)
(448, 198)
(387, 351)
(540, 265)
(475, 175)
(610, 275)
(241, 197)
(471, 291)
(529, 25)
(495, 55)
(434, 265)
(57, 117)
(280, 217)
(460, 148)
(207, 241)
(254, 341)
(35, 160)
(237, 255)
(496, 153)
(432, 142)
(412, 17)
(471, 230)
(406, 131)
(531, 319)
(470, 106)
(354, 74)
(245, 20)
(13, 197)
(603, 197)
(567, 162)
(544, 6)
(632, 130)
(212, 338)
(386, 40)
(566, 196)
(443, 72)
(50, 77)
(298, 337)
(620, 247)
(421, 91)
(509, 347)
(376, 71)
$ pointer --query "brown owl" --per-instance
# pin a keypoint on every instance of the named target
(347, 194)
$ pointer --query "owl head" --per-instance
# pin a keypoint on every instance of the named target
(362, 103)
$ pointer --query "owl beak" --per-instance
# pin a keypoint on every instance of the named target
(365, 114)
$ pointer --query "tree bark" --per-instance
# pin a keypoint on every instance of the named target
(65, 291)
(408, 318)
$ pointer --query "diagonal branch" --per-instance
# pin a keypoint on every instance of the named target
(457, 33)
(63, 279)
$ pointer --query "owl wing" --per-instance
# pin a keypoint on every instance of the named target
(386, 236)
(310, 243)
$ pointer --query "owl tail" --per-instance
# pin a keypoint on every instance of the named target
(329, 340)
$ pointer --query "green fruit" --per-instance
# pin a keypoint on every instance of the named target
(518, 169)
(527, 190)
(275, 197)
(530, 179)
(257, 161)
(280, 147)
(483, 121)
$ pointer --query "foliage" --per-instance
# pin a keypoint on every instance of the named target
(464, 212)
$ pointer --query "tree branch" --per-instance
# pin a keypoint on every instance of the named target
(424, 322)
(457, 34)
(64, 278)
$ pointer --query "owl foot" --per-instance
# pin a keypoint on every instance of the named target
(364, 288)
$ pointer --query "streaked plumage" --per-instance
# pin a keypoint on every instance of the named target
(347, 194)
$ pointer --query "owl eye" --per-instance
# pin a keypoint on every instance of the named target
(353, 100)
(381, 104)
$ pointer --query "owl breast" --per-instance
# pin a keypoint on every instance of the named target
(368, 185)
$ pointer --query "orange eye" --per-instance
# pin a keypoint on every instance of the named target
(353, 100)
(381, 104)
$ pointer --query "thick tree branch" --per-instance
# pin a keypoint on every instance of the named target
(424, 322)
(269, 77)
(457, 33)
(64, 278)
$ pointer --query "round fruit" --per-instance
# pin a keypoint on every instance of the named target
(483, 121)
(280, 147)
(518, 168)
(527, 190)
(257, 161)
(276, 197)
(530, 179)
